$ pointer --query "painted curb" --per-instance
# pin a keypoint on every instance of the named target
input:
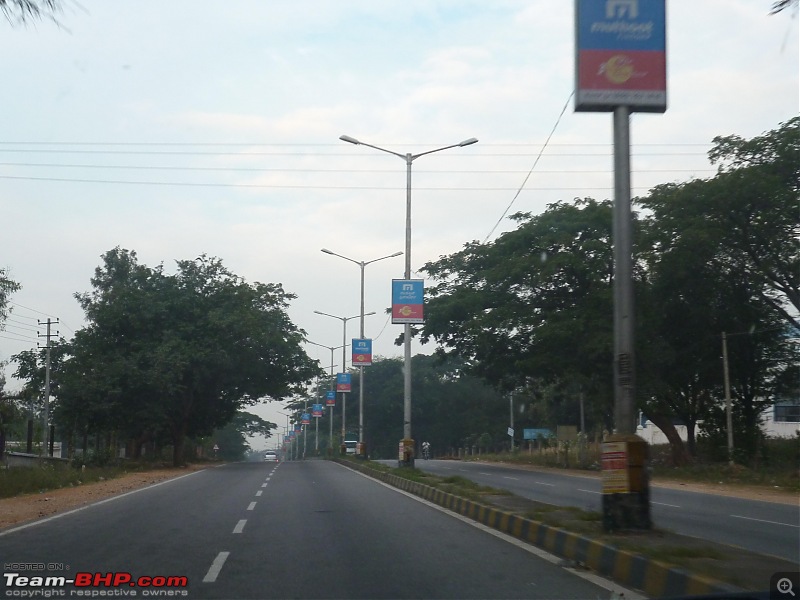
(653, 577)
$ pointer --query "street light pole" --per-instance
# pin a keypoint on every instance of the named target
(344, 321)
(408, 443)
(361, 264)
(287, 430)
(331, 348)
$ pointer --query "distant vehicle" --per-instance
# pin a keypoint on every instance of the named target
(271, 456)
(350, 446)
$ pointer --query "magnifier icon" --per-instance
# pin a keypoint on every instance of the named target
(785, 586)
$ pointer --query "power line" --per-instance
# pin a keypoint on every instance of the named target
(291, 170)
(28, 308)
(306, 187)
(536, 162)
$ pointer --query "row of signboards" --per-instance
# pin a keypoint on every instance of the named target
(407, 307)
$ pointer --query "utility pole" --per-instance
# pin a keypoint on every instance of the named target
(46, 412)
(728, 413)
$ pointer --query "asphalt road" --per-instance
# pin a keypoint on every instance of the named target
(310, 529)
(764, 527)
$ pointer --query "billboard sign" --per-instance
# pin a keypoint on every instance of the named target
(620, 55)
(407, 301)
(306, 419)
(330, 398)
(614, 465)
(316, 410)
(343, 382)
(362, 353)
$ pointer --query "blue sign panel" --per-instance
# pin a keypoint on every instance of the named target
(621, 25)
(330, 398)
(620, 55)
(408, 296)
(343, 382)
(362, 352)
(537, 434)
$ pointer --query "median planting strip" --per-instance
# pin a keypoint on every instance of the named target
(632, 568)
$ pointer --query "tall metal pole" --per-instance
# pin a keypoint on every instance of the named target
(626, 489)
(407, 326)
(330, 438)
(624, 354)
(344, 368)
(728, 412)
(407, 444)
(46, 412)
(361, 264)
(361, 371)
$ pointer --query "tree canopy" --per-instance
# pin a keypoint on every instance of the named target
(177, 355)
(534, 308)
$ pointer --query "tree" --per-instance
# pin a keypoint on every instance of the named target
(7, 287)
(178, 355)
(232, 438)
(535, 305)
(722, 255)
(780, 5)
(754, 208)
(20, 11)
(449, 406)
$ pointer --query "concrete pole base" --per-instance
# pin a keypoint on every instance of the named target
(406, 453)
(626, 483)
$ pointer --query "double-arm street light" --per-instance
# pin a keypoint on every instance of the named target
(344, 321)
(331, 348)
(361, 264)
(408, 443)
(287, 431)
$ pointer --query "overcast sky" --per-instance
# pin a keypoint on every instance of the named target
(187, 127)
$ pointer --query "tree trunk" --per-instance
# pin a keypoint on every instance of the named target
(178, 437)
(680, 456)
(691, 438)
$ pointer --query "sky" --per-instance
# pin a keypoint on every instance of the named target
(182, 128)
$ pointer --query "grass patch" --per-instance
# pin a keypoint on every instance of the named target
(17, 481)
(34, 480)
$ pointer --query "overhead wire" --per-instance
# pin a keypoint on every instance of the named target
(536, 162)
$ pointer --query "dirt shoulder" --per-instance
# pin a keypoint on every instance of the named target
(30, 507)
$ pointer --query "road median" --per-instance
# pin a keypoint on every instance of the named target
(659, 563)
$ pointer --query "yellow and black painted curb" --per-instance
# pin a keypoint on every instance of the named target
(653, 577)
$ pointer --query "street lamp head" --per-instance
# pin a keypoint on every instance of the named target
(351, 140)
(469, 142)
(326, 251)
(395, 254)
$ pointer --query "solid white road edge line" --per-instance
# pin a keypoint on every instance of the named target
(591, 577)
(74, 510)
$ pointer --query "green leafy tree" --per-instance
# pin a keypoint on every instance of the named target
(232, 438)
(722, 256)
(448, 405)
(178, 355)
(20, 11)
(753, 210)
(7, 287)
(534, 307)
(781, 5)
